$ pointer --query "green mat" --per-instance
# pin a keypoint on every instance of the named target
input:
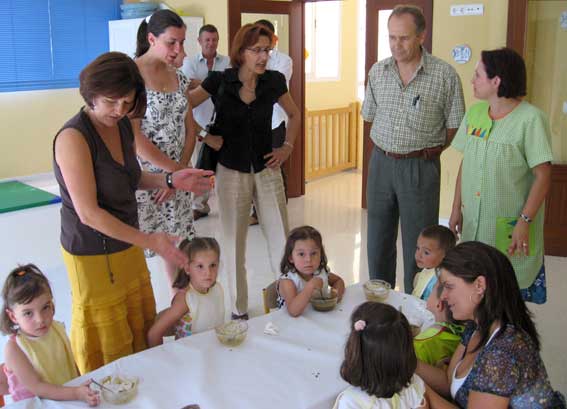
(17, 195)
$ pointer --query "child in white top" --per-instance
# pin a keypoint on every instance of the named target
(380, 362)
(198, 304)
(38, 353)
(304, 271)
(432, 244)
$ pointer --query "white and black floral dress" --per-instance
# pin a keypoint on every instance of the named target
(164, 125)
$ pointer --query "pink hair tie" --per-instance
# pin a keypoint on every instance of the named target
(359, 325)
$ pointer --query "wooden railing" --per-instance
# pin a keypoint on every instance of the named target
(331, 140)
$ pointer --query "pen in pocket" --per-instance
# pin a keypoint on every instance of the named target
(415, 102)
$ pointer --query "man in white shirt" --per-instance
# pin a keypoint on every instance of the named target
(283, 63)
(196, 69)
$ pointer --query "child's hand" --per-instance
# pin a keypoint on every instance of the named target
(86, 394)
(317, 283)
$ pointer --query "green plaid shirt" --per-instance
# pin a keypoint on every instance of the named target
(414, 117)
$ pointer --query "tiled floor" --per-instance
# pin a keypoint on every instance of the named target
(331, 204)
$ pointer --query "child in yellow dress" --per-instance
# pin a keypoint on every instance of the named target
(198, 304)
(38, 353)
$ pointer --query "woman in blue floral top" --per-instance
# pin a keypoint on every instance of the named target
(497, 364)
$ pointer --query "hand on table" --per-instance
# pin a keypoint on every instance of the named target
(88, 395)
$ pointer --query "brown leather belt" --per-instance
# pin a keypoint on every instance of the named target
(426, 153)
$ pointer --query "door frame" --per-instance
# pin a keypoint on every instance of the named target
(295, 165)
(372, 7)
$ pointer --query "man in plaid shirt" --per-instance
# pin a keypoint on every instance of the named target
(415, 104)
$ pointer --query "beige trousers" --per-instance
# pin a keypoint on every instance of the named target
(235, 191)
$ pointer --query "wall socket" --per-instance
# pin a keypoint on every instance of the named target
(467, 10)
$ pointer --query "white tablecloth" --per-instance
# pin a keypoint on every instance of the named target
(299, 368)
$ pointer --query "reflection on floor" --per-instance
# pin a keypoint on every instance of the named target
(330, 204)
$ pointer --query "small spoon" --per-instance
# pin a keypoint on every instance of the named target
(102, 386)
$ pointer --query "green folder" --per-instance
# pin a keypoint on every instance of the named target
(16, 195)
(504, 228)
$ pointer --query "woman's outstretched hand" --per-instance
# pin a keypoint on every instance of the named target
(197, 181)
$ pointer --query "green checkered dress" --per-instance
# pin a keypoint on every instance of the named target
(497, 176)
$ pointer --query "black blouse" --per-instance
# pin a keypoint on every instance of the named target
(246, 129)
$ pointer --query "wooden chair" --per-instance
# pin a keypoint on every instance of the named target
(270, 296)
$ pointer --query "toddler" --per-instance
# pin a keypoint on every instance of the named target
(380, 362)
(437, 343)
(198, 304)
(304, 271)
(432, 244)
(38, 353)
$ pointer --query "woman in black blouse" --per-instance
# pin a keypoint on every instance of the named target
(248, 168)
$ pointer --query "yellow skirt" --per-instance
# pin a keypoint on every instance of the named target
(111, 313)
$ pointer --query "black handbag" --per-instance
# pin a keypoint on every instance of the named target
(208, 158)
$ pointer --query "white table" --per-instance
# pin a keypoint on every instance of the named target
(297, 369)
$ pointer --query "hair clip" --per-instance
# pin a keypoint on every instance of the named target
(21, 273)
(359, 325)
(148, 19)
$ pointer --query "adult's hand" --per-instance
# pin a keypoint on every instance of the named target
(163, 195)
(456, 221)
(194, 83)
(166, 246)
(520, 239)
(197, 181)
(214, 141)
(277, 156)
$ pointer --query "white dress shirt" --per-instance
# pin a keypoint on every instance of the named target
(280, 62)
(196, 68)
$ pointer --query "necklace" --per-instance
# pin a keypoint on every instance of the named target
(251, 90)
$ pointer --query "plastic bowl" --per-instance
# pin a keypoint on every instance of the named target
(376, 290)
(325, 304)
(124, 388)
(233, 333)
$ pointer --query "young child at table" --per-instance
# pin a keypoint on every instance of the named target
(432, 244)
(38, 354)
(380, 362)
(304, 271)
(198, 305)
(436, 344)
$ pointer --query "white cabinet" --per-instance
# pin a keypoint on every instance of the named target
(122, 35)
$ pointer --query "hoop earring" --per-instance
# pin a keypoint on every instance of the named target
(480, 297)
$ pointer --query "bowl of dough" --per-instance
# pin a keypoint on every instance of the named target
(376, 290)
(232, 333)
(322, 303)
(119, 389)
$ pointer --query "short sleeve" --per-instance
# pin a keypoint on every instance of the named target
(369, 105)
(536, 140)
(191, 68)
(455, 102)
(460, 139)
(278, 84)
(183, 81)
(498, 372)
(212, 83)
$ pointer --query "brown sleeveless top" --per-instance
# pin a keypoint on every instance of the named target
(115, 189)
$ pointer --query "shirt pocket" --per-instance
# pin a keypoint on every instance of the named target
(425, 115)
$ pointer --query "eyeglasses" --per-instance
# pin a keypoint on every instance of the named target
(258, 50)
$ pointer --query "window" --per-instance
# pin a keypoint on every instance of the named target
(46, 43)
(323, 40)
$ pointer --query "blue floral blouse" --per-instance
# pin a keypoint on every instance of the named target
(510, 366)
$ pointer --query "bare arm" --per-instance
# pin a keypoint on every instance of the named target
(280, 155)
(167, 319)
(190, 133)
(19, 363)
(338, 284)
(437, 378)
(198, 96)
(148, 151)
(451, 132)
(535, 199)
(296, 302)
(456, 219)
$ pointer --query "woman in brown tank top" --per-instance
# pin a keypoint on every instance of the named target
(98, 174)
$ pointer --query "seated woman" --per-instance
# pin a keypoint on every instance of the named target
(497, 364)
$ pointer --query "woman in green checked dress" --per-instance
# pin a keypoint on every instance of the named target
(506, 169)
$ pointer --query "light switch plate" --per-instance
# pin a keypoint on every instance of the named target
(467, 10)
(565, 107)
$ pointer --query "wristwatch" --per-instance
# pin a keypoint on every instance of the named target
(169, 180)
(525, 218)
(203, 134)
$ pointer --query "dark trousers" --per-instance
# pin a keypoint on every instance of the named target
(405, 190)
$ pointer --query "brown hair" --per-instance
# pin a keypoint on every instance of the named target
(302, 233)
(160, 21)
(415, 12)
(510, 67)
(23, 284)
(247, 36)
(113, 75)
(191, 248)
(444, 237)
(380, 359)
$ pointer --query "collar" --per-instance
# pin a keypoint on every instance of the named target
(424, 62)
(231, 75)
(202, 57)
